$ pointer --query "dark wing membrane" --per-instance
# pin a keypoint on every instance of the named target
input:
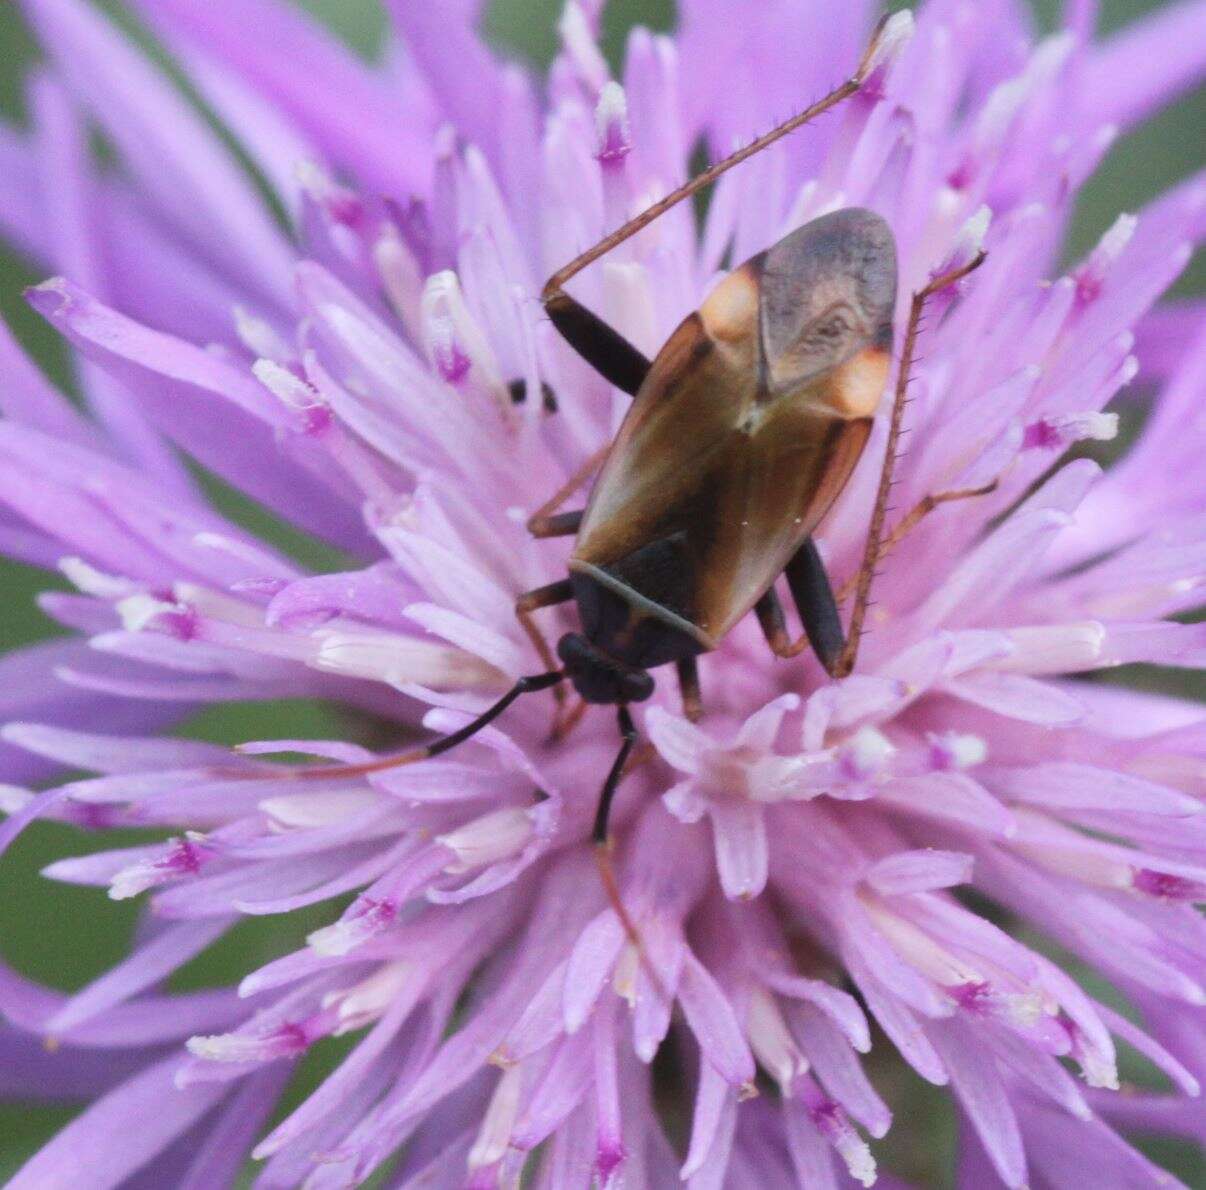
(742, 435)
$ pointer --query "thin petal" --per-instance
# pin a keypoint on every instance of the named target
(714, 1023)
(118, 1134)
(978, 1086)
(742, 852)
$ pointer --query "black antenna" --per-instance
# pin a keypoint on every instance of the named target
(328, 771)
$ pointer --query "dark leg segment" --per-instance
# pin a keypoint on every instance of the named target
(605, 349)
(602, 844)
(770, 615)
(688, 684)
(809, 585)
(603, 813)
(561, 524)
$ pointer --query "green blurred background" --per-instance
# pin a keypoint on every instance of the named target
(68, 936)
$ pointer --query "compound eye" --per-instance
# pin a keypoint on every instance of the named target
(573, 649)
(638, 686)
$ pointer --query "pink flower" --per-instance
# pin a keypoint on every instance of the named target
(811, 858)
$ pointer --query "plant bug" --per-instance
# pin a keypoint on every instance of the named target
(742, 433)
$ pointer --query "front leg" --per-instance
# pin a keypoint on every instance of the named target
(561, 591)
(567, 716)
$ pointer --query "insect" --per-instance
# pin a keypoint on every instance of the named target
(742, 432)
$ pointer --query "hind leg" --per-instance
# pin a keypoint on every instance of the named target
(844, 663)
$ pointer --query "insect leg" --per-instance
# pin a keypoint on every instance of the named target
(688, 684)
(602, 842)
(542, 515)
(549, 596)
(773, 622)
(553, 294)
(565, 718)
(559, 524)
(628, 735)
(875, 533)
(915, 516)
(605, 349)
(813, 595)
(816, 604)
(599, 834)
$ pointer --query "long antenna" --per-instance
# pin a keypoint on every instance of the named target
(867, 63)
(435, 748)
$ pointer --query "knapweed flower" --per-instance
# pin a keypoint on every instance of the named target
(964, 864)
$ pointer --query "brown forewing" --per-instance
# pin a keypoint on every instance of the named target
(707, 463)
(748, 425)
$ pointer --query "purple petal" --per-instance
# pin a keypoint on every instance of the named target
(952, 796)
(1018, 697)
(811, 1155)
(351, 113)
(184, 384)
(742, 854)
(977, 1084)
(1157, 57)
(679, 741)
(145, 966)
(712, 1123)
(21, 216)
(713, 1022)
(118, 1134)
(28, 397)
(919, 871)
(836, 1066)
(1078, 786)
(446, 49)
(590, 965)
(224, 1153)
(181, 165)
(72, 214)
(559, 1092)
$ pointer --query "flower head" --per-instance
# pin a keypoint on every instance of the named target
(939, 844)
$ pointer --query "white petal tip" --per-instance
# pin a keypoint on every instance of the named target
(895, 34)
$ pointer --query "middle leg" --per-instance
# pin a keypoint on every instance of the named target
(546, 521)
(913, 518)
(815, 601)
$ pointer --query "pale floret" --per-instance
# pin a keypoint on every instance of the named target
(811, 859)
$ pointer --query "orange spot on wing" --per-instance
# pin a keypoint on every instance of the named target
(858, 384)
(730, 311)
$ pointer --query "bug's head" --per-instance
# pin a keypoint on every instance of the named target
(599, 678)
(828, 294)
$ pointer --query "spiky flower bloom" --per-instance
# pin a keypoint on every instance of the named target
(942, 844)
